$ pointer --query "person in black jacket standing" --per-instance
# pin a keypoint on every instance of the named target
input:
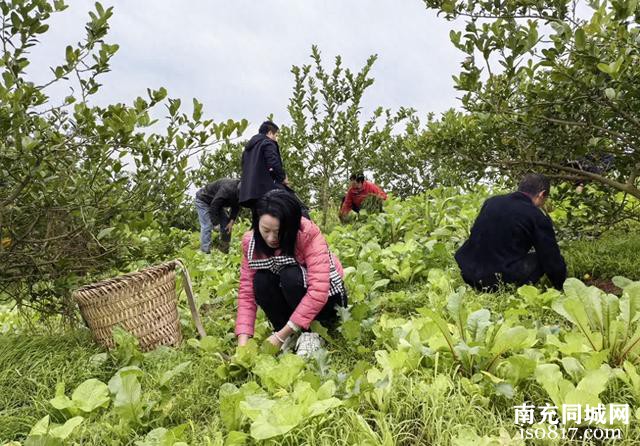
(504, 232)
(262, 168)
(211, 202)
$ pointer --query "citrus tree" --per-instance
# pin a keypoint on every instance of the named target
(549, 85)
(329, 138)
(76, 176)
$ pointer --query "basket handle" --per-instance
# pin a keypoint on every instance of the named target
(188, 288)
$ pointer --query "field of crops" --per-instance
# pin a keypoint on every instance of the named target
(418, 358)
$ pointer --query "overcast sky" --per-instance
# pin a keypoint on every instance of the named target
(235, 55)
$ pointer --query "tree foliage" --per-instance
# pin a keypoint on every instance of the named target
(551, 86)
(75, 176)
(328, 138)
(224, 162)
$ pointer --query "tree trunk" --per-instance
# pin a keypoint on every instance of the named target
(325, 202)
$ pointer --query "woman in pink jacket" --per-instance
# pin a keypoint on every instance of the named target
(288, 271)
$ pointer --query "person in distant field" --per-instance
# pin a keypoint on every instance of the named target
(598, 163)
(211, 202)
(507, 228)
(262, 167)
(359, 190)
(289, 272)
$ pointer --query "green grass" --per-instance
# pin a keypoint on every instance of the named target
(425, 407)
(419, 411)
(30, 368)
(613, 254)
(429, 406)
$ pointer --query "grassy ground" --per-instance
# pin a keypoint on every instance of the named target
(429, 405)
(614, 254)
(425, 408)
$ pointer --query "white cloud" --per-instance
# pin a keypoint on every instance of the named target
(235, 56)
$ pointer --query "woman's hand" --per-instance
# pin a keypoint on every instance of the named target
(243, 339)
(275, 341)
(282, 334)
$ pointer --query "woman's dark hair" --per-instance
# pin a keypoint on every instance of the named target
(268, 126)
(358, 177)
(282, 205)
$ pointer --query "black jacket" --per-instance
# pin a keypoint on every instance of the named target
(219, 195)
(262, 168)
(507, 227)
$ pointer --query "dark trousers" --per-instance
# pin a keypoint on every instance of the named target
(279, 294)
(225, 236)
(528, 270)
(304, 209)
(354, 208)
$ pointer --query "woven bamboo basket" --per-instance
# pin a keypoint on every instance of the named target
(144, 303)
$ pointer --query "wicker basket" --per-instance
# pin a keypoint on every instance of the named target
(144, 303)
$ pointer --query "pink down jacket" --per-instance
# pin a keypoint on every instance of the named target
(312, 252)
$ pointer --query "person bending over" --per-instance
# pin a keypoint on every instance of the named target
(359, 190)
(211, 203)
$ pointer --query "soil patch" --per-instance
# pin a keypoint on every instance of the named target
(605, 285)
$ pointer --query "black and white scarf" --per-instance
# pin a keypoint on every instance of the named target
(276, 263)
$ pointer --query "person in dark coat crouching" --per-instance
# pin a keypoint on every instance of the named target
(506, 229)
(211, 202)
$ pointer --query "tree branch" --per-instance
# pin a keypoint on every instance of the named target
(624, 187)
(618, 135)
(631, 181)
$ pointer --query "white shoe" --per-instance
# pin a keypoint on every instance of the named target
(308, 343)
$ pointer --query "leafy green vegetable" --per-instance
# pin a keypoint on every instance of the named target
(87, 397)
(127, 392)
(45, 433)
(164, 437)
